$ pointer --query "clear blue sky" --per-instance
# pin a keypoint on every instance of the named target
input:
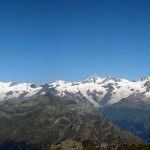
(44, 40)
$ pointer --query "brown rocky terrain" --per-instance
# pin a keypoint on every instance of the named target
(48, 119)
(94, 145)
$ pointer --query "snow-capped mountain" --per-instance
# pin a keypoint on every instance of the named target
(103, 91)
(12, 90)
(96, 90)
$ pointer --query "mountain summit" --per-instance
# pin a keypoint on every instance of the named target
(94, 90)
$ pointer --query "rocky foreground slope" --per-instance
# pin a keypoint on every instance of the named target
(48, 119)
(94, 145)
(70, 144)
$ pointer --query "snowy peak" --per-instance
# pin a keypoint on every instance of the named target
(109, 78)
(4, 85)
(94, 90)
(102, 91)
(12, 85)
(144, 78)
(93, 79)
(99, 80)
(12, 90)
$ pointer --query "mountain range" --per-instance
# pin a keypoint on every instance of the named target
(108, 110)
(95, 90)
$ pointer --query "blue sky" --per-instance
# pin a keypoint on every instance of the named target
(45, 40)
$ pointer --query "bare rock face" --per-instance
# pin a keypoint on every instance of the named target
(147, 85)
(67, 145)
(94, 145)
(12, 84)
(33, 86)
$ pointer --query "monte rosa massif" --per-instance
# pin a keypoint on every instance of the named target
(95, 90)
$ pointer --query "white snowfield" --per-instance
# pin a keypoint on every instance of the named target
(121, 88)
(11, 90)
(94, 89)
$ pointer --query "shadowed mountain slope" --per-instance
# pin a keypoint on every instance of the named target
(48, 119)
